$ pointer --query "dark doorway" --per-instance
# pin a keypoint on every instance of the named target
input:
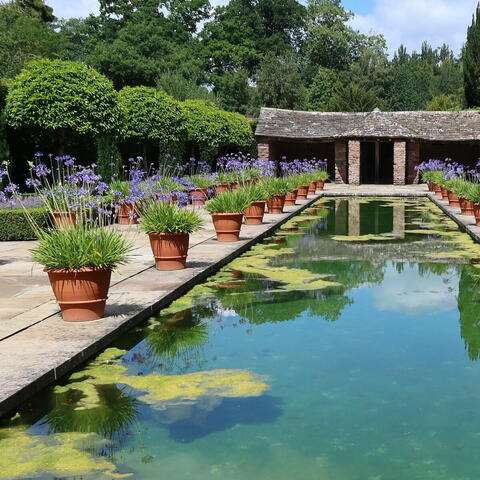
(376, 163)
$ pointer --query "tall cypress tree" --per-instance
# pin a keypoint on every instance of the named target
(471, 62)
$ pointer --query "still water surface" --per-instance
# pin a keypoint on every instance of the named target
(346, 347)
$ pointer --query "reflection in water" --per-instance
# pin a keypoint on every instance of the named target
(331, 350)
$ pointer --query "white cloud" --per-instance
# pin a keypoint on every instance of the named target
(412, 21)
(73, 8)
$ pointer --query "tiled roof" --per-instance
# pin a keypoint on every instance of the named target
(429, 126)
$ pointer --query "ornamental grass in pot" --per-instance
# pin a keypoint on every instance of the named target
(169, 227)
(321, 177)
(277, 189)
(79, 262)
(256, 211)
(227, 213)
(303, 182)
(473, 195)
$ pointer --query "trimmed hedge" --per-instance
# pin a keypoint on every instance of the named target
(14, 226)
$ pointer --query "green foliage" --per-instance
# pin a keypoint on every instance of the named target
(109, 160)
(354, 98)
(149, 114)
(443, 103)
(177, 86)
(233, 201)
(165, 217)
(211, 129)
(38, 8)
(277, 186)
(202, 180)
(472, 193)
(471, 62)
(56, 96)
(14, 225)
(326, 84)
(280, 83)
(24, 36)
(81, 247)
(257, 192)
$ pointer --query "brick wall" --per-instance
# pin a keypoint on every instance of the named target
(399, 163)
(354, 162)
(341, 170)
(264, 151)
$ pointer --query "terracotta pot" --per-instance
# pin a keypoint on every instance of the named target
(461, 200)
(444, 193)
(476, 212)
(320, 184)
(453, 199)
(222, 188)
(64, 219)
(254, 213)
(170, 250)
(430, 186)
(227, 226)
(312, 188)
(468, 208)
(302, 192)
(234, 186)
(437, 189)
(291, 198)
(81, 293)
(276, 203)
(199, 196)
(127, 214)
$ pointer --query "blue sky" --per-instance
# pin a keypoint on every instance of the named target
(400, 21)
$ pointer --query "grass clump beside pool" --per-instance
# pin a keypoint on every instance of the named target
(81, 247)
(233, 201)
(164, 217)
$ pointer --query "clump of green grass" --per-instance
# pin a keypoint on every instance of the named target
(233, 201)
(164, 217)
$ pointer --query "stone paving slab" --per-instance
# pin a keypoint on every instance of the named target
(37, 347)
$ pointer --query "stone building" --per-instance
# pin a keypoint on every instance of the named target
(369, 148)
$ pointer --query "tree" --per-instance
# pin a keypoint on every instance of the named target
(232, 90)
(24, 36)
(38, 7)
(279, 83)
(150, 116)
(326, 84)
(471, 62)
(331, 42)
(62, 98)
(354, 98)
(443, 103)
(181, 88)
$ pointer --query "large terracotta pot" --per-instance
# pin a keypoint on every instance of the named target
(468, 208)
(430, 186)
(227, 226)
(199, 196)
(127, 214)
(312, 188)
(170, 250)
(320, 184)
(476, 211)
(302, 192)
(437, 189)
(254, 213)
(222, 188)
(453, 199)
(81, 293)
(444, 193)
(64, 219)
(276, 203)
(291, 198)
(234, 186)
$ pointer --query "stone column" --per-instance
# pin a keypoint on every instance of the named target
(341, 172)
(353, 218)
(354, 162)
(399, 163)
(413, 160)
(264, 151)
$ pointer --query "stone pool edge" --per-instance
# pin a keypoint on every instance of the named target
(32, 382)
